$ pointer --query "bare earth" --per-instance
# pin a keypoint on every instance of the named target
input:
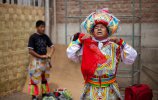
(64, 74)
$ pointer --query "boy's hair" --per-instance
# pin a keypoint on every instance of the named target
(39, 23)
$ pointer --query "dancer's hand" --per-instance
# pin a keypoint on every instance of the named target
(114, 39)
(86, 36)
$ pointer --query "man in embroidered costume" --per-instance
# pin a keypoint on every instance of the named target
(39, 67)
(100, 55)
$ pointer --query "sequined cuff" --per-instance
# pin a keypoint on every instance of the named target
(122, 43)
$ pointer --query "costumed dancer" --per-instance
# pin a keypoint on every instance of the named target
(99, 54)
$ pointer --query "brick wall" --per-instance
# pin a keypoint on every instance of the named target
(17, 23)
(117, 7)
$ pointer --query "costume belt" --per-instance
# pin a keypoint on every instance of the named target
(101, 81)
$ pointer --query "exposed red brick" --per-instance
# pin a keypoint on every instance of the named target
(117, 7)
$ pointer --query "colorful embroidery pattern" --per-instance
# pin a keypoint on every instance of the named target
(100, 16)
(100, 93)
(103, 85)
(109, 67)
(36, 68)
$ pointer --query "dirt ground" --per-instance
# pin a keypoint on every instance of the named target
(64, 74)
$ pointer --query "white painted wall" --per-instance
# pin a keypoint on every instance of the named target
(149, 33)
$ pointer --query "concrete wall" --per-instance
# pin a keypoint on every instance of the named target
(149, 72)
(149, 32)
(120, 7)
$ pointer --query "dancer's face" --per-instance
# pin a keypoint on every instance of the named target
(100, 32)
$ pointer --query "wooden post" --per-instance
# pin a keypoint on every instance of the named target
(25, 2)
(47, 17)
(34, 3)
(12, 1)
(19, 2)
(7, 1)
(55, 26)
(29, 2)
(39, 3)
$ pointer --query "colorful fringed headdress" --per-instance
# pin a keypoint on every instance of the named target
(100, 16)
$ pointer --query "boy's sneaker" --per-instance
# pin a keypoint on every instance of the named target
(49, 96)
(43, 95)
(34, 98)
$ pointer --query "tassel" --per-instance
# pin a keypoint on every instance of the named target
(45, 88)
(33, 90)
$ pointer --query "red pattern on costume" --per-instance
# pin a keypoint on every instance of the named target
(35, 88)
(91, 57)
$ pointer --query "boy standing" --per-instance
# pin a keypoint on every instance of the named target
(39, 67)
